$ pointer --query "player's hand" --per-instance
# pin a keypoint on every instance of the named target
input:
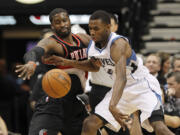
(55, 60)
(97, 62)
(123, 119)
(26, 71)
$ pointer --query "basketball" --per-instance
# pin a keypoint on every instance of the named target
(56, 83)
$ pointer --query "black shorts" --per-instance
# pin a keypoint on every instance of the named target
(53, 116)
(157, 115)
(97, 94)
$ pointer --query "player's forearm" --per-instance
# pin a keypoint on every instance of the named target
(117, 91)
(34, 55)
(85, 65)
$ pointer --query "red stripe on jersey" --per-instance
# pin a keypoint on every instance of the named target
(78, 37)
(63, 47)
(67, 42)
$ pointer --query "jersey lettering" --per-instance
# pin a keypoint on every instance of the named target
(106, 61)
(79, 54)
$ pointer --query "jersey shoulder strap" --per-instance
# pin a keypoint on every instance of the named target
(62, 44)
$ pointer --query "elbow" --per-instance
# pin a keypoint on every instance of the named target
(111, 107)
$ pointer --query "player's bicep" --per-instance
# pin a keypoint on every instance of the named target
(50, 45)
(121, 67)
(118, 54)
(45, 44)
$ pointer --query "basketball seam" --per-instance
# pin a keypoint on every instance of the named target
(51, 86)
(59, 82)
(64, 79)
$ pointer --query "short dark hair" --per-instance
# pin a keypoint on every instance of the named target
(114, 17)
(102, 15)
(176, 75)
(56, 11)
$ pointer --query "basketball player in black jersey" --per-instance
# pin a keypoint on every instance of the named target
(65, 115)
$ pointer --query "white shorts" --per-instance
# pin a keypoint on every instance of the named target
(140, 96)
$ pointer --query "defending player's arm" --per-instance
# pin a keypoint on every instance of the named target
(91, 65)
(119, 55)
(31, 57)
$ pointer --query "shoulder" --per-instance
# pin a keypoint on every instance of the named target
(50, 45)
(119, 45)
(47, 41)
(84, 38)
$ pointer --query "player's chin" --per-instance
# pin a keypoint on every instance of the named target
(63, 33)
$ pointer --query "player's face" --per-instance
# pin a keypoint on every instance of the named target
(98, 30)
(61, 24)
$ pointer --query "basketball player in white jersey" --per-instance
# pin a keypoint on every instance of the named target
(101, 83)
(134, 87)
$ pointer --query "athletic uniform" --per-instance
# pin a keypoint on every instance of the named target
(100, 84)
(142, 91)
(64, 114)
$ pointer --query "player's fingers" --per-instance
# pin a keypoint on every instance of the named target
(126, 117)
(22, 73)
(19, 68)
(28, 76)
(122, 124)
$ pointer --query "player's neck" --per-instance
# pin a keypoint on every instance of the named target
(104, 42)
(68, 39)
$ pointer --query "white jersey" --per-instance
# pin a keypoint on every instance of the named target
(106, 75)
(142, 90)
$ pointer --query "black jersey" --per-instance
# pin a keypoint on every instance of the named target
(65, 114)
(78, 52)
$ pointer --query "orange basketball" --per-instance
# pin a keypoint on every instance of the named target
(56, 83)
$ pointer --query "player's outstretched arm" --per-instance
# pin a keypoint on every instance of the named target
(31, 57)
(92, 64)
